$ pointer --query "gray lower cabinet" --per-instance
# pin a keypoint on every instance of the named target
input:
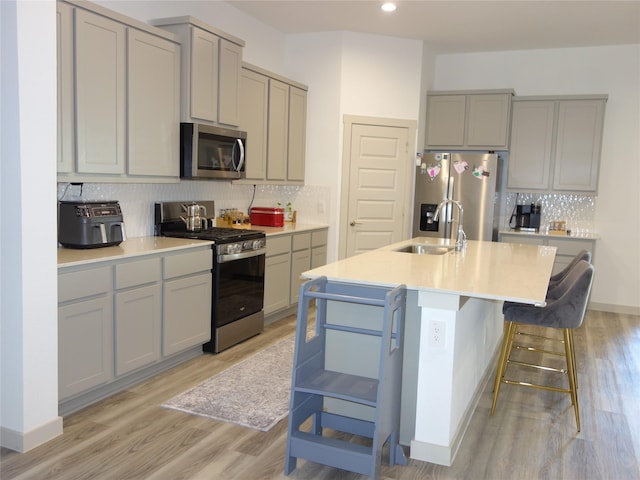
(567, 247)
(319, 240)
(187, 300)
(85, 330)
(277, 275)
(300, 262)
(121, 321)
(187, 318)
(288, 256)
(138, 313)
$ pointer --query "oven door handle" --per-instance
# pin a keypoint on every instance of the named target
(230, 257)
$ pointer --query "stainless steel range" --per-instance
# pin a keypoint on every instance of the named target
(238, 269)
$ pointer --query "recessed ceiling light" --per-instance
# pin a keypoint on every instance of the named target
(388, 7)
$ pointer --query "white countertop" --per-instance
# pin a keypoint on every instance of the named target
(70, 257)
(489, 270)
(288, 228)
(544, 234)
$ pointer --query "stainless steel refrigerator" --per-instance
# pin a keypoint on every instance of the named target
(470, 178)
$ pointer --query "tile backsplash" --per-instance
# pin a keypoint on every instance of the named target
(136, 199)
(577, 210)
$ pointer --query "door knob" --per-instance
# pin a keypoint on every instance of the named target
(354, 223)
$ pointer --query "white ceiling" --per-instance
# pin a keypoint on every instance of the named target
(462, 25)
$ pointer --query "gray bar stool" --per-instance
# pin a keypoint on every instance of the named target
(565, 309)
(557, 278)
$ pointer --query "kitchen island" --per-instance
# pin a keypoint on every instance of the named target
(452, 333)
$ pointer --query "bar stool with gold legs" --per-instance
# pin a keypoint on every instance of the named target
(565, 309)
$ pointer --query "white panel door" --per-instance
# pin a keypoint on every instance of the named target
(378, 171)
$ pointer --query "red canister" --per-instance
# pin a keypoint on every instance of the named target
(267, 217)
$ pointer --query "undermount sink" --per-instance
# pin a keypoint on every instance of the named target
(422, 249)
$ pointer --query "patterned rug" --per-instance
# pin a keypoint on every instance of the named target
(253, 393)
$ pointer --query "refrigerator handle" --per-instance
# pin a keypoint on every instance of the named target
(450, 196)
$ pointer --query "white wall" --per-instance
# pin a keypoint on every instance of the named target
(350, 74)
(29, 397)
(610, 70)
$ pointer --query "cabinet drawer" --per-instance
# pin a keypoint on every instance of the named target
(188, 263)
(278, 245)
(301, 241)
(83, 283)
(570, 247)
(319, 238)
(522, 239)
(138, 273)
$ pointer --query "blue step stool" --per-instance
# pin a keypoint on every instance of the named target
(312, 383)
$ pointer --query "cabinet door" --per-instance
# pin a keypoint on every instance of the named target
(488, 120)
(153, 106)
(532, 129)
(318, 256)
(254, 104)
(300, 263)
(187, 313)
(278, 130)
(277, 281)
(85, 345)
(100, 93)
(297, 134)
(579, 137)
(229, 88)
(66, 125)
(204, 75)
(445, 120)
(138, 327)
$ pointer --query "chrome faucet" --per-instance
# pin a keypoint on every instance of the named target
(461, 237)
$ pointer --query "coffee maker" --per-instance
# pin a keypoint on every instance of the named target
(527, 217)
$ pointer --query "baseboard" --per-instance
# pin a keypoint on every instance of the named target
(25, 441)
(609, 307)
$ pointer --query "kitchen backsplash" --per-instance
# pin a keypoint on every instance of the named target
(136, 200)
(577, 210)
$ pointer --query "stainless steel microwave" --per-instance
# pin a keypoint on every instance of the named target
(208, 152)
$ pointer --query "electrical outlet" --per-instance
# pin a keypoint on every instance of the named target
(437, 333)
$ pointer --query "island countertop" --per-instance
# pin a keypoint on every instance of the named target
(487, 270)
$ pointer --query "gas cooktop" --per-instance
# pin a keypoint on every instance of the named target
(171, 221)
(216, 234)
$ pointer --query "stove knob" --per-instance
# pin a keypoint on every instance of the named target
(257, 245)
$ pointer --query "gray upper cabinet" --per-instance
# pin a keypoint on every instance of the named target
(153, 114)
(254, 106)
(297, 134)
(556, 144)
(468, 120)
(273, 112)
(211, 70)
(118, 97)
(100, 52)
(65, 92)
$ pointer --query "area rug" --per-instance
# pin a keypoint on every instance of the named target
(253, 393)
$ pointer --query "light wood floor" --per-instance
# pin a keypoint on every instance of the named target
(532, 435)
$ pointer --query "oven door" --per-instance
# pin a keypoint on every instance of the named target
(238, 287)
